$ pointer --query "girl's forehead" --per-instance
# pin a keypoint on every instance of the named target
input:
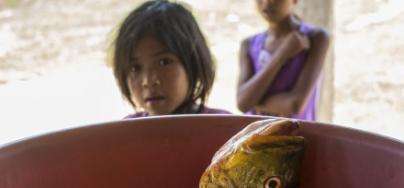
(150, 47)
(147, 43)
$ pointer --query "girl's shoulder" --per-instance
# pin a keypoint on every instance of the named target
(255, 38)
(136, 115)
(208, 110)
(312, 30)
(254, 41)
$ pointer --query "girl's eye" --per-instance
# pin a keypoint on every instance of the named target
(273, 182)
(165, 61)
(135, 68)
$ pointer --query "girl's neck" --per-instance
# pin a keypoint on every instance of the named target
(278, 29)
(191, 108)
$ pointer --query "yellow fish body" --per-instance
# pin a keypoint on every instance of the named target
(264, 154)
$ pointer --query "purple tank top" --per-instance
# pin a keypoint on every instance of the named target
(288, 74)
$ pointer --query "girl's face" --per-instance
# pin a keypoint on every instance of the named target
(275, 10)
(158, 81)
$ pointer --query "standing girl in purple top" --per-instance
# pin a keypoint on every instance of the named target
(280, 67)
(161, 61)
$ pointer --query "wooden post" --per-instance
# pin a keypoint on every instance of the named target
(321, 13)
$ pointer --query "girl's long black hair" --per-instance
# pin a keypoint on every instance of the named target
(176, 28)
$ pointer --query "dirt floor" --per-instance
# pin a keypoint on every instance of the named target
(53, 72)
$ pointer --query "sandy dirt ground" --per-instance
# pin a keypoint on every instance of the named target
(53, 72)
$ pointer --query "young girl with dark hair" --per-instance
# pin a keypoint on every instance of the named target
(280, 67)
(161, 61)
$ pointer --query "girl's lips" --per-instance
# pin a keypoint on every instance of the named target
(268, 12)
(154, 99)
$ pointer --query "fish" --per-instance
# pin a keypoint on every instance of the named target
(265, 154)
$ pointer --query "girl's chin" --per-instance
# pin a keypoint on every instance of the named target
(271, 19)
(159, 111)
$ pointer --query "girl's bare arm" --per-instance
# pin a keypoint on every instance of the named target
(294, 101)
(252, 87)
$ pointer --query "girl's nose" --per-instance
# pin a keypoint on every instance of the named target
(266, 3)
(150, 80)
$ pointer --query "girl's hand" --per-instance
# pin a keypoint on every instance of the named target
(294, 43)
(282, 104)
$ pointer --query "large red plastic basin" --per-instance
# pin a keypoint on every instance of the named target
(174, 151)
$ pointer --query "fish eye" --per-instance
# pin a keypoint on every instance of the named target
(273, 182)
